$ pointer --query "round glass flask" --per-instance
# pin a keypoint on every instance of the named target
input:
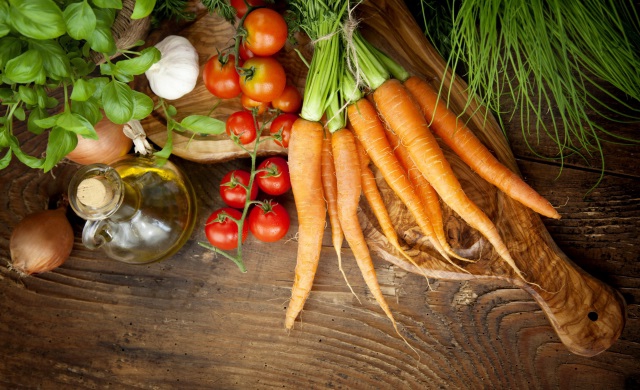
(137, 211)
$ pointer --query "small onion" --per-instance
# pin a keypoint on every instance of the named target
(111, 144)
(41, 242)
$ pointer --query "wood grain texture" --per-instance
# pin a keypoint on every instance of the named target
(193, 321)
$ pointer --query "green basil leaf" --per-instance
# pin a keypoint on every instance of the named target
(142, 105)
(99, 83)
(203, 124)
(117, 101)
(19, 114)
(171, 110)
(102, 41)
(166, 150)
(6, 93)
(36, 114)
(6, 159)
(115, 4)
(47, 122)
(82, 67)
(82, 90)
(37, 19)
(61, 142)
(30, 161)
(4, 29)
(28, 95)
(10, 47)
(54, 59)
(24, 68)
(89, 109)
(106, 69)
(140, 64)
(142, 9)
(105, 16)
(80, 20)
(76, 123)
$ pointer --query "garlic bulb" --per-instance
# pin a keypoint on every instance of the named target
(176, 74)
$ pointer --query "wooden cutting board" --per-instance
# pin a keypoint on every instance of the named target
(587, 315)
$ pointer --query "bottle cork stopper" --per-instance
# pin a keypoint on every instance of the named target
(93, 193)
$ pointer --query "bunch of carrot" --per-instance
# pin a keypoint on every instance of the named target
(375, 112)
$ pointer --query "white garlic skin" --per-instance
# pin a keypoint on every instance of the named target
(176, 74)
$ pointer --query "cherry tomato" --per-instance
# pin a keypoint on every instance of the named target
(263, 79)
(233, 188)
(281, 128)
(273, 177)
(221, 78)
(221, 231)
(289, 101)
(241, 126)
(269, 222)
(266, 31)
(245, 53)
(241, 6)
(250, 104)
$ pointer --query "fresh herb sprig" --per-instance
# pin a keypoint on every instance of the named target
(46, 46)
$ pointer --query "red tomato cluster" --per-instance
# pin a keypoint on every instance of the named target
(257, 76)
(267, 220)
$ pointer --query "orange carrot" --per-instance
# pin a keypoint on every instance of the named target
(428, 196)
(370, 131)
(374, 198)
(305, 155)
(349, 190)
(404, 117)
(330, 189)
(471, 150)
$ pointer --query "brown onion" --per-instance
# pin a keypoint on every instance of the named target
(41, 242)
(111, 144)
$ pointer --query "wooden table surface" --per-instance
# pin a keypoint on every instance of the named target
(195, 321)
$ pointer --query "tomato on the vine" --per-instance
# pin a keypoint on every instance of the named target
(269, 221)
(242, 127)
(250, 104)
(220, 76)
(280, 128)
(241, 6)
(262, 78)
(244, 52)
(221, 231)
(233, 188)
(266, 31)
(273, 176)
(290, 100)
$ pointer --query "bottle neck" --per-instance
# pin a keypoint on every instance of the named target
(98, 192)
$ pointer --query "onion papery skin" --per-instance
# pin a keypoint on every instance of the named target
(41, 242)
(111, 144)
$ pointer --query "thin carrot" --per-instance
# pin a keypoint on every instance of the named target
(330, 189)
(370, 131)
(428, 196)
(305, 155)
(471, 150)
(376, 202)
(349, 190)
(404, 117)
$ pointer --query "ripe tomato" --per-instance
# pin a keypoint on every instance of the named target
(250, 104)
(245, 53)
(273, 176)
(221, 78)
(233, 188)
(221, 231)
(281, 128)
(266, 31)
(269, 222)
(241, 127)
(263, 78)
(289, 101)
(241, 6)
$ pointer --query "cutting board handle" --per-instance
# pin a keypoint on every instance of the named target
(587, 314)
